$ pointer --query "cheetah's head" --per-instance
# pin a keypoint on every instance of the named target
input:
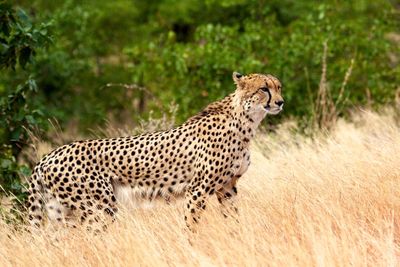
(259, 94)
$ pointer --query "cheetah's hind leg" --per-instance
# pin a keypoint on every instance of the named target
(35, 200)
(99, 208)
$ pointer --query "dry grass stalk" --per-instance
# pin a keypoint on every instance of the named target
(326, 111)
(369, 98)
(325, 108)
(344, 83)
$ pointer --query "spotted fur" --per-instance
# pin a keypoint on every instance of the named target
(206, 155)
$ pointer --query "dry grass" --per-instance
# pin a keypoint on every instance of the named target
(327, 110)
(334, 201)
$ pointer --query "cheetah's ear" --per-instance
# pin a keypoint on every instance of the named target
(236, 76)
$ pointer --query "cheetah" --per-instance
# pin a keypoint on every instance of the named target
(204, 156)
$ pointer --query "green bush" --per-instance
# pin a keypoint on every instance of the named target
(185, 51)
(19, 111)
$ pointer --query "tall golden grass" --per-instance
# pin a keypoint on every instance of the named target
(333, 200)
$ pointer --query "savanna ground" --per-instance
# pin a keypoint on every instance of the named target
(330, 200)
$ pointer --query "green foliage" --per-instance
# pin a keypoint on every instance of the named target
(19, 41)
(292, 50)
(10, 173)
(18, 37)
(185, 52)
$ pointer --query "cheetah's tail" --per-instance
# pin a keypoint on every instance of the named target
(35, 200)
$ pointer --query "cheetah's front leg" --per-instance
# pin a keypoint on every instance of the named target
(195, 199)
(226, 197)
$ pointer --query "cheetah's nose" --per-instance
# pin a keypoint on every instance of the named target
(279, 103)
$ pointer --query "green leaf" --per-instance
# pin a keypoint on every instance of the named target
(31, 120)
(25, 56)
(23, 17)
(32, 84)
(25, 171)
(16, 186)
(16, 135)
(6, 163)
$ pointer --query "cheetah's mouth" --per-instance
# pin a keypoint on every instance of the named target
(274, 110)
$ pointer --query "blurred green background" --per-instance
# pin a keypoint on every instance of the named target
(66, 60)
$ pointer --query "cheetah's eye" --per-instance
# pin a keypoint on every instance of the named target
(264, 89)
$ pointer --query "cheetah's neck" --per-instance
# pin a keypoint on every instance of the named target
(229, 107)
(248, 122)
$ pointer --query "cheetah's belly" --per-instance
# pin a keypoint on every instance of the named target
(142, 197)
